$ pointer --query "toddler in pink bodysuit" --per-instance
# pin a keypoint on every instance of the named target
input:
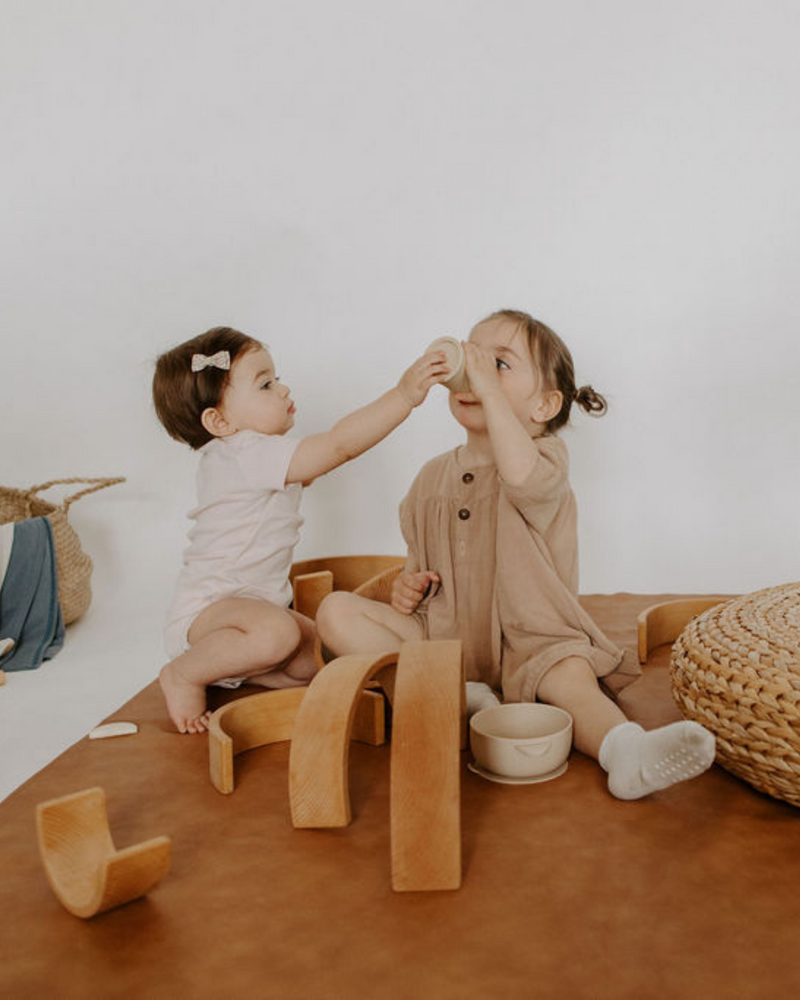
(230, 620)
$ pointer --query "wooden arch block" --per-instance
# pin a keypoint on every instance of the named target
(308, 591)
(664, 622)
(318, 760)
(426, 767)
(86, 872)
(269, 717)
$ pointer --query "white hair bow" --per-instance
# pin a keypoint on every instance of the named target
(221, 359)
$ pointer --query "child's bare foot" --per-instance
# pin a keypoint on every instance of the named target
(186, 702)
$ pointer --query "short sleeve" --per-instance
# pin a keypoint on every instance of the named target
(539, 496)
(264, 459)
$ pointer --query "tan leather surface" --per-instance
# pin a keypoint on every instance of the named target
(567, 892)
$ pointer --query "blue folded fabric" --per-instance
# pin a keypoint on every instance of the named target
(29, 610)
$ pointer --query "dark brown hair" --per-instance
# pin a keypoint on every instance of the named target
(552, 357)
(180, 395)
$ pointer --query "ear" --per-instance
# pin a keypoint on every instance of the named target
(214, 422)
(547, 406)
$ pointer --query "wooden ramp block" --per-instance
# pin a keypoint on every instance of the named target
(318, 760)
(86, 872)
(665, 621)
(269, 717)
(426, 767)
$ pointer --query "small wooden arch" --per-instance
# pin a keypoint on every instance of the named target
(269, 717)
(86, 872)
(664, 622)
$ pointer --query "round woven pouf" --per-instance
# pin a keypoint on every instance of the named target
(736, 670)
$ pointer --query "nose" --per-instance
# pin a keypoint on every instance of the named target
(285, 390)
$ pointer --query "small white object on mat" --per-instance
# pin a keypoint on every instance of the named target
(113, 729)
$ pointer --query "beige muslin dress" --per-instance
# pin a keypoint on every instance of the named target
(508, 562)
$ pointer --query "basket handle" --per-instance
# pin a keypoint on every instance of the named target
(101, 484)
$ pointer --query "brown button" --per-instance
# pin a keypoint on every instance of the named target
(463, 513)
(467, 477)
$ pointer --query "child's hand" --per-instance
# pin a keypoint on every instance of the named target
(425, 372)
(408, 590)
(481, 365)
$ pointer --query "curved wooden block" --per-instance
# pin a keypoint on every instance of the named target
(348, 572)
(318, 782)
(84, 869)
(426, 767)
(308, 590)
(269, 717)
(255, 721)
(664, 622)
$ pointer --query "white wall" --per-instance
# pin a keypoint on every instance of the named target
(348, 181)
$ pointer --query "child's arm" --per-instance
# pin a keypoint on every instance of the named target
(515, 451)
(356, 433)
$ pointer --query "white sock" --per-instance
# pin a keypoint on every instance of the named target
(640, 762)
(480, 695)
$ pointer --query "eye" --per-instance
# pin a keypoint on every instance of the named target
(502, 364)
(267, 384)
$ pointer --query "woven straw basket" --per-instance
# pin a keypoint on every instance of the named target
(74, 565)
(736, 670)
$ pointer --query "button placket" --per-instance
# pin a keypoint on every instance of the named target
(463, 514)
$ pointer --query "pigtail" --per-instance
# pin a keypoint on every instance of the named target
(590, 401)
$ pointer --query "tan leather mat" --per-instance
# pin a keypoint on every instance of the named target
(567, 892)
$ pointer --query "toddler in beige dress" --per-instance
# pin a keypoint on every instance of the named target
(491, 530)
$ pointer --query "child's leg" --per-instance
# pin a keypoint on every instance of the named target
(637, 762)
(235, 637)
(348, 623)
(301, 667)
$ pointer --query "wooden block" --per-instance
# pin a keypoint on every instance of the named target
(664, 622)
(269, 717)
(426, 767)
(349, 572)
(245, 723)
(318, 780)
(86, 872)
(309, 589)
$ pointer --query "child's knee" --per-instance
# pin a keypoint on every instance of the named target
(573, 672)
(332, 615)
(277, 639)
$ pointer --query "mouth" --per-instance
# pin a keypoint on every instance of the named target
(291, 409)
